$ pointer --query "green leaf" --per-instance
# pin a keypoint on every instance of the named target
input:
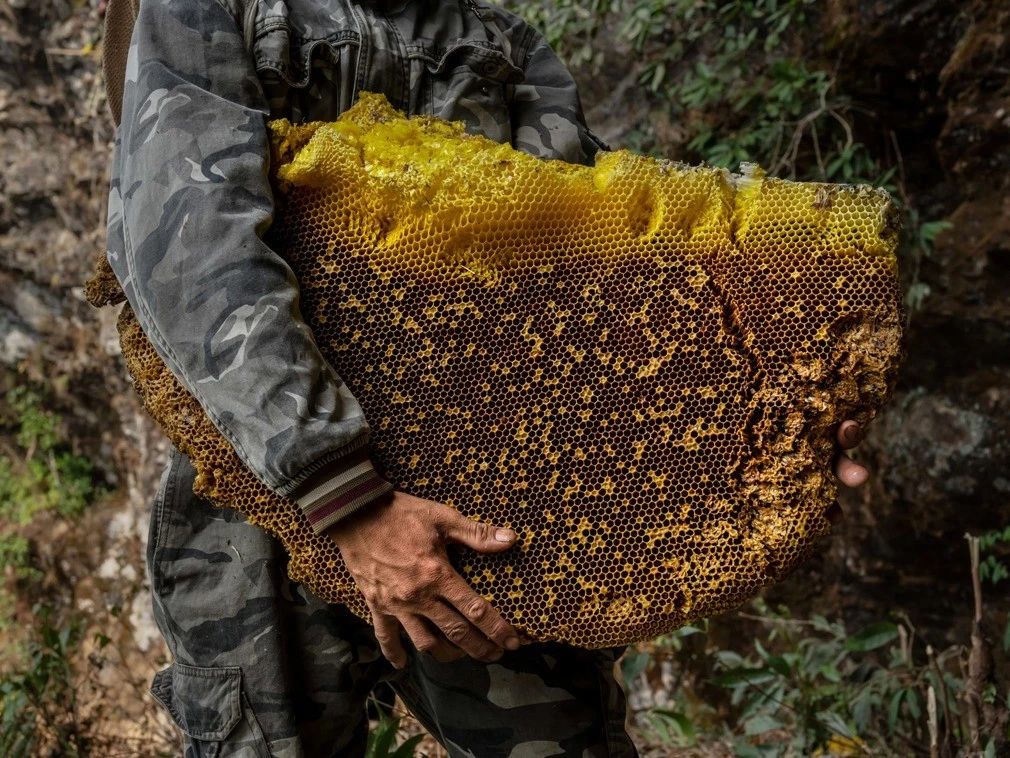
(835, 723)
(760, 724)
(862, 708)
(916, 295)
(914, 708)
(728, 658)
(408, 748)
(380, 739)
(830, 672)
(779, 665)
(872, 637)
(744, 676)
(658, 73)
(681, 723)
(686, 631)
(894, 710)
(633, 664)
(743, 749)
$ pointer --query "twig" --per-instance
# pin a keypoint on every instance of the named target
(976, 579)
(934, 742)
(900, 160)
(948, 725)
(849, 139)
(978, 657)
(54, 470)
(779, 129)
(817, 150)
(788, 622)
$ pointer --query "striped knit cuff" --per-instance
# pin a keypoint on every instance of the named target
(339, 490)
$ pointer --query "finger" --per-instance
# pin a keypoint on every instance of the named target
(850, 473)
(387, 634)
(481, 537)
(430, 642)
(462, 633)
(849, 434)
(480, 613)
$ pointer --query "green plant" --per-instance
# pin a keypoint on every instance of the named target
(42, 473)
(803, 687)
(16, 553)
(992, 569)
(38, 703)
(382, 739)
(569, 26)
(39, 473)
(994, 546)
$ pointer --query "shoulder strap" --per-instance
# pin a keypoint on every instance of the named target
(120, 16)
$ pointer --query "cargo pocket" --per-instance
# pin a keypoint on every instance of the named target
(470, 83)
(208, 705)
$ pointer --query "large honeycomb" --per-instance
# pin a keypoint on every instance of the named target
(638, 366)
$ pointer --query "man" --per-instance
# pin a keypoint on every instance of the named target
(261, 667)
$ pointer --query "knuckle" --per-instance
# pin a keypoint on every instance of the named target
(477, 609)
(428, 646)
(378, 601)
(500, 632)
(430, 572)
(411, 595)
(456, 633)
(480, 532)
(438, 570)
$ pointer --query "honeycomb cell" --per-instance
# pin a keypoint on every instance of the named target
(638, 366)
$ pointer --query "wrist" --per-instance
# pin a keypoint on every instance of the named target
(353, 523)
(340, 490)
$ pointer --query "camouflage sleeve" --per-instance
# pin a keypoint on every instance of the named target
(188, 205)
(547, 115)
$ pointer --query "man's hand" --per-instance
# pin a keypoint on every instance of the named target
(396, 554)
(849, 473)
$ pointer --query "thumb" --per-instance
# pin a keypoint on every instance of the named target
(481, 537)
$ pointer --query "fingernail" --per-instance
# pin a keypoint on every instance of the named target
(512, 643)
(852, 435)
(504, 535)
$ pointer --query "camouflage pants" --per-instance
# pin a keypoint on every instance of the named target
(263, 668)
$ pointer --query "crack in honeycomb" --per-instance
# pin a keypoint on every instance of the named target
(638, 366)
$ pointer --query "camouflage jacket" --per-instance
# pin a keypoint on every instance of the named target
(190, 198)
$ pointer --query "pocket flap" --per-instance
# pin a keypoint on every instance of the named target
(204, 702)
(481, 57)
